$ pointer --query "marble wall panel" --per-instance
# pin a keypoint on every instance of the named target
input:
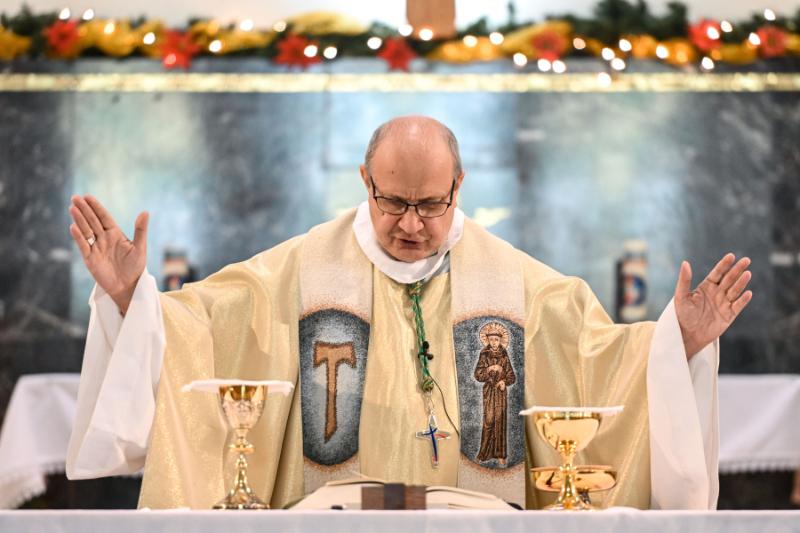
(566, 177)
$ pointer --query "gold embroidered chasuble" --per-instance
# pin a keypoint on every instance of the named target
(242, 322)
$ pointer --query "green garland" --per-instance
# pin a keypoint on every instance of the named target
(614, 19)
(610, 21)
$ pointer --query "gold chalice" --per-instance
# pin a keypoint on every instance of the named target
(569, 430)
(242, 406)
(242, 403)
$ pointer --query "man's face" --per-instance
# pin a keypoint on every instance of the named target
(413, 174)
(494, 341)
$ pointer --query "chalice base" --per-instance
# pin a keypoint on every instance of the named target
(241, 498)
(577, 504)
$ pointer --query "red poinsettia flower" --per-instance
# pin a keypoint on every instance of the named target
(397, 53)
(63, 37)
(292, 51)
(773, 41)
(178, 49)
(549, 44)
(705, 35)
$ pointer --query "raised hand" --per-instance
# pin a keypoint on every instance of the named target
(115, 262)
(706, 312)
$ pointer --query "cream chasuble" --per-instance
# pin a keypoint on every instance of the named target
(250, 320)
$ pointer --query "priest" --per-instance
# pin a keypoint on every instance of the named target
(414, 338)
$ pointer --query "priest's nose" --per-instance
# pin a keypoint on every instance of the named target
(410, 222)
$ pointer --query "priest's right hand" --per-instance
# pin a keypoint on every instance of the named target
(115, 262)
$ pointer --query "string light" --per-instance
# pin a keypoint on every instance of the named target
(609, 53)
(330, 52)
(618, 63)
(604, 79)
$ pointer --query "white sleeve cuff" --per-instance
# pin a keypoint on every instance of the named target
(116, 397)
(683, 418)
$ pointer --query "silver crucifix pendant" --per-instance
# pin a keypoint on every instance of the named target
(434, 435)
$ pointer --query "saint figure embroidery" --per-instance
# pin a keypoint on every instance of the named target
(495, 372)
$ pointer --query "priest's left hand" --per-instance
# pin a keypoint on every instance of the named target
(706, 312)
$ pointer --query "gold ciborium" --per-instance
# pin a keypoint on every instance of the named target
(569, 430)
(242, 406)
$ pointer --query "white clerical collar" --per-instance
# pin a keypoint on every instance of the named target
(400, 271)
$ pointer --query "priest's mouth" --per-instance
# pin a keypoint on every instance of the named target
(410, 244)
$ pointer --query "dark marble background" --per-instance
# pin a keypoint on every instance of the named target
(565, 177)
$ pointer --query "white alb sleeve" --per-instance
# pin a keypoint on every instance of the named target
(119, 378)
(684, 420)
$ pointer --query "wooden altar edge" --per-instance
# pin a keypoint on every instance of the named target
(400, 83)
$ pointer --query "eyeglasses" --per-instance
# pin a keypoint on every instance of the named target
(395, 206)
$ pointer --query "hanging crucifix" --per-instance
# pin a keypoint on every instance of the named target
(434, 435)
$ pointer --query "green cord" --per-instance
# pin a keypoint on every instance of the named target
(415, 293)
(426, 382)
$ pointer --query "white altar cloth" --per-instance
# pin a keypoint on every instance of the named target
(610, 521)
(35, 434)
(759, 419)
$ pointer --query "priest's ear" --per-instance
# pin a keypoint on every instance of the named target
(364, 177)
(457, 187)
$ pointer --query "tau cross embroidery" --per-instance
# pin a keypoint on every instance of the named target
(332, 355)
(433, 434)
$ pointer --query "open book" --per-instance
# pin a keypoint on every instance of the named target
(346, 494)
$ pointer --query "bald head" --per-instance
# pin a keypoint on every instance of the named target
(413, 137)
(413, 161)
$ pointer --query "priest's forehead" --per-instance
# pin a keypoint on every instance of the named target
(413, 152)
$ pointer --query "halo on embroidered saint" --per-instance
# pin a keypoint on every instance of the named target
(494, 329)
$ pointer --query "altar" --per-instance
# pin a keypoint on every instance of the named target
(615, 520)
